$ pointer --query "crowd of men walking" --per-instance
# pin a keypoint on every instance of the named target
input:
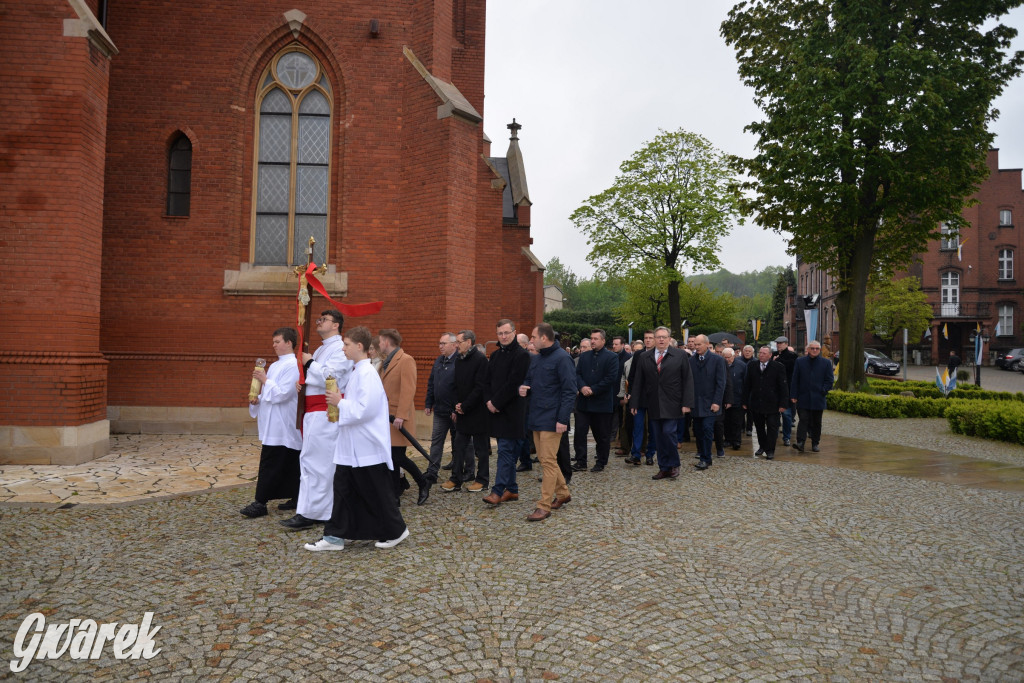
(343, 468)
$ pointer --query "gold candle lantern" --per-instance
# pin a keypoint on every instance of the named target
(331, 384)
(255, 384)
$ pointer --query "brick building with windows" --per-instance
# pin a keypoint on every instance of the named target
(164, 167)
(970, 279)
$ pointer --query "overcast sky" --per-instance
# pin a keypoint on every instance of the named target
(592, 80)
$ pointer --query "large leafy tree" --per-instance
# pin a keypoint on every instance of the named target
(874, 128)
(671, 202)
(775, 323)
(895, 305)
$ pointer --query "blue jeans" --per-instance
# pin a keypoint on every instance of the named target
(668, 456)
(787, 423)
(505, 476)
(704, 434)
(523, 450)
(639, 421)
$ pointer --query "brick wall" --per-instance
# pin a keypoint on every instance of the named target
(52, 144)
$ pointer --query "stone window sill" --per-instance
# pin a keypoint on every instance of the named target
(250, 280)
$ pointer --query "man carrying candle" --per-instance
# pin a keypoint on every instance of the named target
(274, 409)
(365, 506)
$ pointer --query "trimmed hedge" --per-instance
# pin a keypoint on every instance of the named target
(870, 405)
(1000, 419)
(926, 390)
(990, 420)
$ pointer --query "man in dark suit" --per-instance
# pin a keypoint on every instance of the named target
(734, 411)
(708, 370)
(663, 387)
(597, 374)
(764, 394)
(471, 440)
(506, 372)
(812, 379)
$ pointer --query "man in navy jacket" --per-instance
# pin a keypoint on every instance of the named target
(597, 375)
(812, 379)
(708, 370)
(551, 383)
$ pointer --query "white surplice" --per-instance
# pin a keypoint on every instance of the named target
(316, 488)
(278, 402)
(364, 431)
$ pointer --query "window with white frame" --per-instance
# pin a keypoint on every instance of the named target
(950, 239)
(293, 151)
(1005, 217)
(1005, 320)
(1006, 264)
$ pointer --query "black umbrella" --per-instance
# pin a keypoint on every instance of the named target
(724, 336)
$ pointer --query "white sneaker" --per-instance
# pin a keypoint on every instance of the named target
(394, 542)
(324, 544)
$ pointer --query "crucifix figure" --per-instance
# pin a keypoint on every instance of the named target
(303, 320)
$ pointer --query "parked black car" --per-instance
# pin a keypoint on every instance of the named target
(1011, 360)
(877, 363)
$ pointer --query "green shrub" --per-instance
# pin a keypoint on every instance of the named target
(1000, 421)
(870, 405)
(926, 390)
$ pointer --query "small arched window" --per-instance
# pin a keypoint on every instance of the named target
(179, 177)
(293, 151)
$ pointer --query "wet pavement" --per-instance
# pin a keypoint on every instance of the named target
(868, 561)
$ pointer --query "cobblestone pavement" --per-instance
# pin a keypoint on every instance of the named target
(753, 570)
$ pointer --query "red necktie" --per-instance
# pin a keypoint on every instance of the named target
(661, 354)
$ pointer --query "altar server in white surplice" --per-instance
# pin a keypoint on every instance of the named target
(318, 434)
(365, 506)
(274, 410)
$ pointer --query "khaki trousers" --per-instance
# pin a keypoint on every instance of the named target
(553, 483)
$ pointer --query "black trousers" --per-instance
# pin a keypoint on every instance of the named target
(463, 455)
(810, 420)
(564, 460)
(401, 462)
(767, 426)
(279, 474)
(601, 425)
(720, 432)
(365, 506)
(734, 425)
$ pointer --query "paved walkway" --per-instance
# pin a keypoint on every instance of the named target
(794, 569)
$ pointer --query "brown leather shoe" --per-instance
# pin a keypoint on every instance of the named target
(559, 502)
(493, 499)
(538, 515)
(662, 474)
(508, 496)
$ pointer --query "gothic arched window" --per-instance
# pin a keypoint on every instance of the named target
(293, 152)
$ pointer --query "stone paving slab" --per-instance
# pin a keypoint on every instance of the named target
(754, 570)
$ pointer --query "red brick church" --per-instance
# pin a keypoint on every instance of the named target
(163, 165)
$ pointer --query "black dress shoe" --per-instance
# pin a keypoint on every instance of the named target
(799, 446)
(785, 442)
(673, 473)
(299, 522)
(662, 474)
(424, 493)
(769, 456)
(289, 504)
(759, 451)
(702, 465)
(254, 509)
(632, 461)
(448, 466)
(577, 467)
(524, 468)
(650, 461)
(814, 447)
(597, 468)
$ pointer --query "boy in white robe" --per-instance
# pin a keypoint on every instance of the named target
(364, 497)
(274, 410)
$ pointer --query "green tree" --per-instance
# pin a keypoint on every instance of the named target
(707, 310)
(874, 129)
(646, 302)
(670, 204)
(561, 275)
(895, 305)
(774, 322)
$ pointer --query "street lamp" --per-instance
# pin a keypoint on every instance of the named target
(979, 340)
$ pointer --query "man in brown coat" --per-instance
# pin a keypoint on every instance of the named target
(398, 374)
